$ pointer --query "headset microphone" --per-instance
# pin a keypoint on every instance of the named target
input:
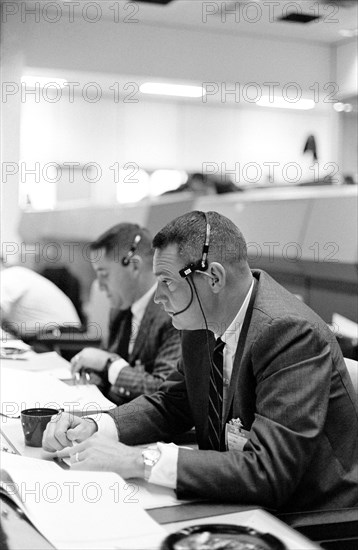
(189, 304)
(201, 265)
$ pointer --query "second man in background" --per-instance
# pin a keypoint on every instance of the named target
(143, 346)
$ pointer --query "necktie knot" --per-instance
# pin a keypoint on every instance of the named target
(219, 345)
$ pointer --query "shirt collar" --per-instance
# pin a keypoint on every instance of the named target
(232, 333)
(140, 305)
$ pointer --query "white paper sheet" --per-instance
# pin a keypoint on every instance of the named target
(22, 390)
(50, 363)
(79, 510)
(344, 326)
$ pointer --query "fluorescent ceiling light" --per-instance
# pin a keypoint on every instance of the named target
(348, 33)
(42, 81)
(281, 103)
(178, 90)
(346, 107)
(338, 107)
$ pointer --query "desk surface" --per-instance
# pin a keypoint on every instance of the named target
(339, 526)
(19, 533)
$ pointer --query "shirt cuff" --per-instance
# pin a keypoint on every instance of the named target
(165, 471)
(106, 425)
(115, 369)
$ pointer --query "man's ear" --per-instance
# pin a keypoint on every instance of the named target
(217, 275)
(136, 264)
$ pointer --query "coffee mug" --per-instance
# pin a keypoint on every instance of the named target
(34, 422)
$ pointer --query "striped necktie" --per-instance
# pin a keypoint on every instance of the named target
(125, 334)
(120, 333)
(216, 396)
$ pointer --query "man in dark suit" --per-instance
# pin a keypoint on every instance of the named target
(143, 346)
(261, 378)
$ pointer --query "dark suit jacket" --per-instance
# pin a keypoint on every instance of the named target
(292, 392)
(155, 353)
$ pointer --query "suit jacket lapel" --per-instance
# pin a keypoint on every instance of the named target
(247, 337)
(240, 361)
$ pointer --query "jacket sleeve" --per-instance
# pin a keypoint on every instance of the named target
(160, 416)
(146, 379)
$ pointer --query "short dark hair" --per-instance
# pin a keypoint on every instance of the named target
(119, 239)
(227, 243)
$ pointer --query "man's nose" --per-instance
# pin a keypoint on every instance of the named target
(157, 296)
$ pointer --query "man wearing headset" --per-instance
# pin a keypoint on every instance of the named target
(261, 378)
(143, 346)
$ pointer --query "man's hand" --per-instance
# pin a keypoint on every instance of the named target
(90, 358)
(64, 429)
(102, 454)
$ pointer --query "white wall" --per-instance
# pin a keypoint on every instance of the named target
(11, 68)
(171, 135)
(347, 68)
(148, 133)
(139, 49)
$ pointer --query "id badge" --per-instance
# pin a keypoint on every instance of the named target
(235, 436)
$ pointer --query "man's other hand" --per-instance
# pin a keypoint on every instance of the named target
(90, 358)
(65, 429)
(102, 454)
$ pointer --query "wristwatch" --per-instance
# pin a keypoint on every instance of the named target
(150, 455)
(108, 363)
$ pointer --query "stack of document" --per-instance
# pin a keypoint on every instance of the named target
(79, 510)
(11, 348)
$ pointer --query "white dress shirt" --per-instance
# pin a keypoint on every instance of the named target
(165, 472)
(138, 309)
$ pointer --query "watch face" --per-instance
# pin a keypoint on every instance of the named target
(151, 456)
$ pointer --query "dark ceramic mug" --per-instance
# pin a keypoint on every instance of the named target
(34, 422)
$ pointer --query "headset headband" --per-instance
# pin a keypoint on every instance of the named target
(201, 265)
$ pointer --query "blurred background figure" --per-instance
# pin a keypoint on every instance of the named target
(311, 147)
(31, 304)
(62, 277)
(349, 180)
(205, 184)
